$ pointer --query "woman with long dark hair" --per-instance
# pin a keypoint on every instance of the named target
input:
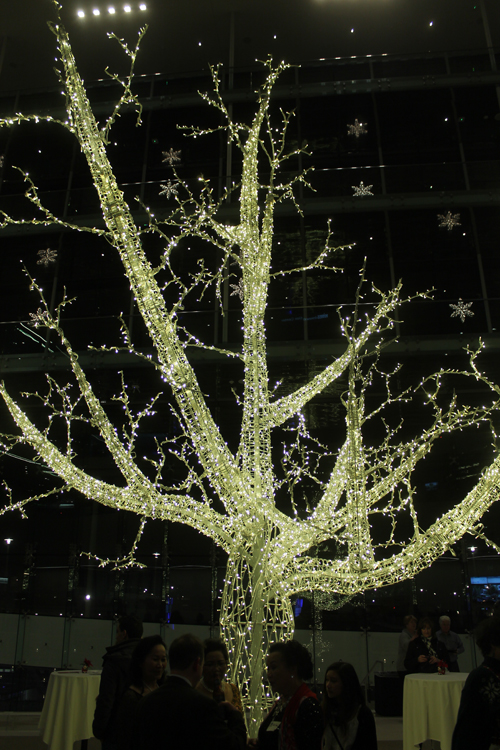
(147, 670)
(349, 723)
(294, 721)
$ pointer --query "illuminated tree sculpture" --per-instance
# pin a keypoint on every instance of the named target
(231, 496)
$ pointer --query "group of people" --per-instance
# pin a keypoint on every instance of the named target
(422, 650)
(140, 707)
(298, 721)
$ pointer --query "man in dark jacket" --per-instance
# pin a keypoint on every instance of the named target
(178, 717)
(478, 720)
(115, 679)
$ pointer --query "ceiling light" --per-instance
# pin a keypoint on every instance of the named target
(127, 8)
(81, 14)
(142, 6)
(96, 12)
(111, 10)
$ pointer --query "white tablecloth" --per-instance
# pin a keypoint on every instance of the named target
(430, 708)
(69, 708)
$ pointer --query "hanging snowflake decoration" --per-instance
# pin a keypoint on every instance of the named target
(361, 189)
(238, 290)
(46, 256)
(449, 220)
(40, 318)
(169, 188)
(171, 156)
(357, 129)
(461, 310)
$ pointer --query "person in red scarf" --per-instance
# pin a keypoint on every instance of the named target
(295, 721)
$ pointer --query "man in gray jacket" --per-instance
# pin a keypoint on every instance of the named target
(452, 641)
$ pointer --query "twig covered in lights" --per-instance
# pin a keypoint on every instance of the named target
(230, 495)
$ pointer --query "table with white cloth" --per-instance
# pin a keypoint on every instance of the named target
(68, 710)
(430, 708)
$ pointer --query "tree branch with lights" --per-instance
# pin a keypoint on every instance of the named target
(231, 496)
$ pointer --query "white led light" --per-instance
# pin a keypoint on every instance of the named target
(142, 6)
(111, 10)
(81, 14)
(127, 8)
(96, 12)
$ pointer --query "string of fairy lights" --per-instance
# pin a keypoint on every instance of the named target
(270, 557)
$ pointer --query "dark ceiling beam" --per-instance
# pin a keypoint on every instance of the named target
(287, 351)
(280, 92)
(438, 200)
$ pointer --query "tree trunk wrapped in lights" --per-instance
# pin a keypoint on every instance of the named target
(231, 497)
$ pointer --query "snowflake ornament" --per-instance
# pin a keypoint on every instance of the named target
(237, 290)
(449, 220)
(490, 689)
(361, 189)
(40, 318)
(357, 129)
(46, 257)
(169, 188)
(461, 310)
(171, 156)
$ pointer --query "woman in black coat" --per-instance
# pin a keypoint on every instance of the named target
(425, 652)
(147, 673)
(349, 723)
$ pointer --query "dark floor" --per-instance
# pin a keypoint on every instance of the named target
(19, 731)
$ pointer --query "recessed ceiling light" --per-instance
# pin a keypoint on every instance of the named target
(81, 14)
(96, 12)
(127, 8)
(111, 10)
